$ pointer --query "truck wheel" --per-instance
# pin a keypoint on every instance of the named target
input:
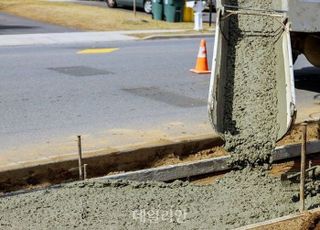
(147, 6)
(311, 49)
(111, 3)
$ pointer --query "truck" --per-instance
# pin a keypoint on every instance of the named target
(300, 34)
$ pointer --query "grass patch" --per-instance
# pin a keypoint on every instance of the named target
(84, 17)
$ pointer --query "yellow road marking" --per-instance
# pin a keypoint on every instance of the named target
(97, 51)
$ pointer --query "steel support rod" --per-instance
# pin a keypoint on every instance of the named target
(80, 158)
(303, 166)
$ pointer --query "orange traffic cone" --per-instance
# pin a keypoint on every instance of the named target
(202, 62)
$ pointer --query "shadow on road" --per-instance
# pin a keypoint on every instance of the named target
(308, 78)
(13, 27)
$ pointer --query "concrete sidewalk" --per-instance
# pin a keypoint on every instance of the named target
(74, 37)
(92, 37)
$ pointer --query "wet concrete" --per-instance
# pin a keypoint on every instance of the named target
(231, 202)
(250, 117)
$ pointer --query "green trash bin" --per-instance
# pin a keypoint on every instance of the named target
(157, 9)
(173, 10)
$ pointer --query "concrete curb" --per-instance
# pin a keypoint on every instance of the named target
(291, 151)
(218, 164)
(165, 36)
(173, 172)
(89, 37)
(62, 38)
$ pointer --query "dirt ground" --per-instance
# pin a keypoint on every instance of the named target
(295, 134)
(292, 166)
(293, 137)
(201, 155)
(308, 221)
(312, 221)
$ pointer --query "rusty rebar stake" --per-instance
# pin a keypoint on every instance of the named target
(303, 166)
(80, 158)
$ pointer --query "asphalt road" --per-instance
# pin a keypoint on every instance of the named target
(50, 94)
(10, 24)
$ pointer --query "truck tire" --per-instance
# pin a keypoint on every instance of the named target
(311, 49)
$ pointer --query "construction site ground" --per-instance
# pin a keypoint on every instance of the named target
(160, 159)
(83, 203)
(173, 129)
(53, 143)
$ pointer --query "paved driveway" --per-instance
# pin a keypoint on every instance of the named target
(10, 24)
